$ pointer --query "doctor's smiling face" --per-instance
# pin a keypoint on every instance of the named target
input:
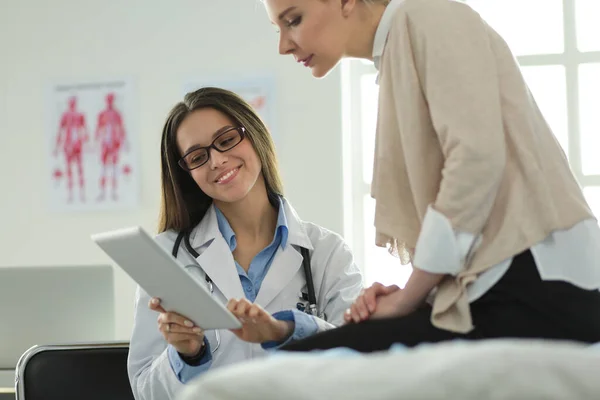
(227, 173)
(214, 147)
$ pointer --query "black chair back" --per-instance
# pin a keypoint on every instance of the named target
(87, 371)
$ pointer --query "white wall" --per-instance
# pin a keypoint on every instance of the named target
(159, 43)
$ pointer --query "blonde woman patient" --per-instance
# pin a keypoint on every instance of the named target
(224, 216)
(470, 184)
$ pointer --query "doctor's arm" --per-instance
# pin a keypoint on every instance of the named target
(156, 370)
(271, 331)
(188, 350)
(338, 281)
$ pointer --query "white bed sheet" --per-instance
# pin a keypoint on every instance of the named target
(495, 369)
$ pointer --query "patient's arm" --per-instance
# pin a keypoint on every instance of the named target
(405, 301)
(366, 303)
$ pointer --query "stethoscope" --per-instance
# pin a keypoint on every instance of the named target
(309, 297)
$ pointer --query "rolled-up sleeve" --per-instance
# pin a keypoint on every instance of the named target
(440, 249)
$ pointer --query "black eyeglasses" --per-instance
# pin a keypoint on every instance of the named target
(199, 156)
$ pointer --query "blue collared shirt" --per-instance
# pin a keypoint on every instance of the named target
(251, 283)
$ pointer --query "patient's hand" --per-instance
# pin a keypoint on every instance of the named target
(258, 326)
(366, 303)
(178, 331)
(392, 305)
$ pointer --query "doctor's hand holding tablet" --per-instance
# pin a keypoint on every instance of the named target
(258, 326)
(178, 330)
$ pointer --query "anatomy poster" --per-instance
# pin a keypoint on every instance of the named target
(258, 91)
(92, 146)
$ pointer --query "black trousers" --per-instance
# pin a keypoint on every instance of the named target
(519, 305)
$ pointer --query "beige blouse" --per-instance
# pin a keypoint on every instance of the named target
(459, 133)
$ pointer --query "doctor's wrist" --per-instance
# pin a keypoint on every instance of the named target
(285, 329)
(196, 359)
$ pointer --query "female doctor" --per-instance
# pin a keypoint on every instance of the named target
(223, 215)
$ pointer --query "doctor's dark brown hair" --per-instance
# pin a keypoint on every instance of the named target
(183, 203)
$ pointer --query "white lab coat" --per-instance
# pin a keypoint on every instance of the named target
(336, 277)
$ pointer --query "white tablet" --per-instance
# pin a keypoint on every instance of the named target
(163, 276)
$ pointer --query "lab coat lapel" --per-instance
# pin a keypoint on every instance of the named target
(215, 256)
(285, 265)
(297, 234)
(287, 261)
